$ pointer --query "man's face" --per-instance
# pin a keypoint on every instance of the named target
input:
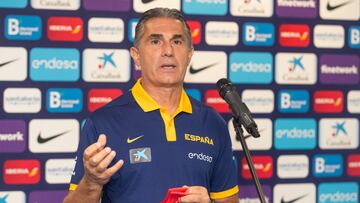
(163, 53)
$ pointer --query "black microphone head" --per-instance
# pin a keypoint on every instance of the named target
(224, 86)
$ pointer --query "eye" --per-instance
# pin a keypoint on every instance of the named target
(155, 41)
(178, 42)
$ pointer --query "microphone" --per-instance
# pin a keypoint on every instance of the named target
(239, 110)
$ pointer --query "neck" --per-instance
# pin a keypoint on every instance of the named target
(167, 97)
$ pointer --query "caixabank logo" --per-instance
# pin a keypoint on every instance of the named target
(21, 172)
(56, 5)
(23, 27)
(61, 100)
(327, 165)
(258, 34)
(339, 192)
(293, 101)
(12, 196)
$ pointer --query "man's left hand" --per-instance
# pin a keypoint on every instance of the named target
(195, 194)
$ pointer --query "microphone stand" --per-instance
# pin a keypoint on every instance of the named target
(240, 135)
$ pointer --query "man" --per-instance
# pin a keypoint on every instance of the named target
(155, 137)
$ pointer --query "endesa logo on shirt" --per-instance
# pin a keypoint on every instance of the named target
(258, 34)
(21, 172)
(293, 101)
(12, 196)
(294, 35)
(264, 167)
(213, 99)
(339, 192)
(65, 29)
(209, 7)
(21, 27)
(328, 101)
(354, 37)
(196, 31)
(353, 165)
(99, 97)
(328, 165)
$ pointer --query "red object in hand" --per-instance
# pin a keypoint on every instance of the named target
(174, 194)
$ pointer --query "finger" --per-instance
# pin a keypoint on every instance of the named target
(98, 157)
(91, 150)
(102, 166)
(112, 170)
(102, 140)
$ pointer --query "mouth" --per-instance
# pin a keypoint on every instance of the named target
(168, 66)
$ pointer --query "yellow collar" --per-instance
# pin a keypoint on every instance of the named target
(147, 103)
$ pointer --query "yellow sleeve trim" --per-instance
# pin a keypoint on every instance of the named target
(72, 187)
(224, 194)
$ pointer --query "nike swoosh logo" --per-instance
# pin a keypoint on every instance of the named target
(42, 140)
(146, 1)
(194, 71)
(7, 62)
(129, 140)
(293, 200)
(332, 7)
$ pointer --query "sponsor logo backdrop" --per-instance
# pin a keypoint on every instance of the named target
(295, 63)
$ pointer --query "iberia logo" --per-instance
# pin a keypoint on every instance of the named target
(65, 29)
(213, 99)
(195, 29)
(294, 35)
(264, 167)
(353, 165)
(21, 172)
(328, 101)
(99, 97)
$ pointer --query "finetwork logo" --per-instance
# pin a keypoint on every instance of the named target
(56, 5)
(339, 69)
(59, 171)
(297, 8)
(54, 64)
(221, 33)
(17, 172)
(21, 27)
(213, 99)
(327, 165)
(295, 68)
(339, 133)
(13, 3)
(99, 97)
(13, 136)
(107, 5)
(53, 135)
(294, 134)
(65, 29)
(12, 196)
(64, 100)
(338, 192)
(264, 167)
(141, 6)
(22, 100)
(207, 67)
(354, 37)
(251, 67)
(13, 64)
(291, 193)
(353, 101)
(264, 142)
(292, 166)
(196, 31)
(258, 34)
(106, 30)
(353, 165)
(259, 101)
(106, 65)
(205, 7)
(293, 101)
(46, 196)
(329, 101)
(252, 8)
(329, 36)
(340, 10)
(248, 194)
(294, 35)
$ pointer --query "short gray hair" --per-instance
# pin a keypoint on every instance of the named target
(161, 12)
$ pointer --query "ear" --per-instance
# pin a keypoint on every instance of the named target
(134, 52)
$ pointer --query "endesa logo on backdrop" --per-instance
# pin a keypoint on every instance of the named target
(99, 97)
(196, 31)
(264, 167)
(339, 192)
(21, 27)
(294, 35)
(12, 196)
(13, 3)
(13, 136)
(258, 34)
(65, 29)
(328, 165)
(353, 165)
(213, 99)
(328, 101)
(293, 101)
(21, 172)
(209, 7)
(295, 193)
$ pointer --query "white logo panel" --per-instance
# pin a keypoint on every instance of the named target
(339, 133)
(13, 196)
(259, 101)
(56, 4)
(329, 36)
(22, 100)
(252, 8)
(221, 33)
(53, 135)
(293, 166)
(301, 193)
(106, 30)
(264, 142)
(340, 9)
(353, 101)
(13, 64)
(142, 6)
(59, 171)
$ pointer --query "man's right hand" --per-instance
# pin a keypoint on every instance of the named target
(97, 158)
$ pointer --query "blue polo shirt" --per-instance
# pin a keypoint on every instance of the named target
(191, 147)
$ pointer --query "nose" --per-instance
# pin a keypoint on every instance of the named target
(168, 49)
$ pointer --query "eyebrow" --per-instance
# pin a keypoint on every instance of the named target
(176, 36)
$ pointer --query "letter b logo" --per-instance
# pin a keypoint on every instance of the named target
(250, 33)
(285, 100)
(355, 36)
(13, 26)
(319, 165)
(55, 99)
